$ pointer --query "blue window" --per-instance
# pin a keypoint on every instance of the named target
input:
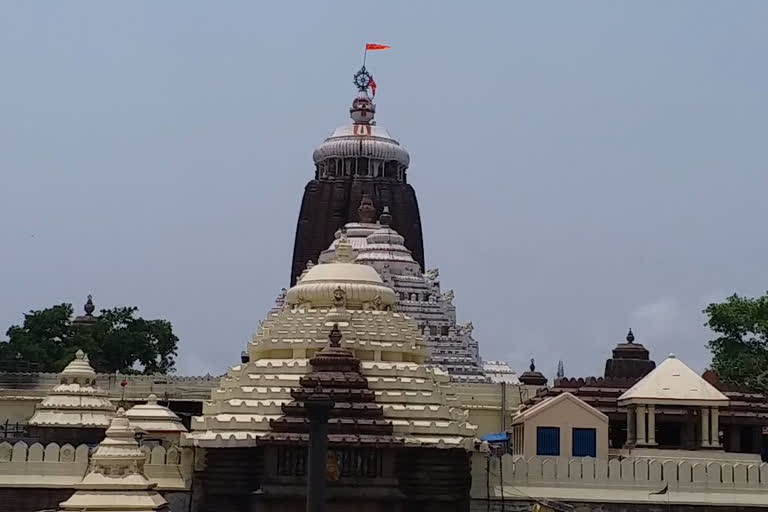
(548, 441)
(584, 442)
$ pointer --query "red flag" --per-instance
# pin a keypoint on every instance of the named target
(375, 46)
(372, 85)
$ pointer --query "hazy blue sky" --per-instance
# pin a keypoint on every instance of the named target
(581, 167)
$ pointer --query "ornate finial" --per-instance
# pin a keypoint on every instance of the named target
(366, 212)
(533, 365)
(152, 398)
(560, 370)
(363, 110)
(335, 336)
(630, 336)
(79, 354)
(89, 307)
(385, 219)
(362, 80)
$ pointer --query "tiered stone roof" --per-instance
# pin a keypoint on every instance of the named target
(500, 371)
(355, 419)
(154, 418)
(116, 480)
(377, 244)
(76, 401)
(414, 397)
(630, 360)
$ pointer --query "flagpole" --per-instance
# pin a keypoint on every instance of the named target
(365, 54)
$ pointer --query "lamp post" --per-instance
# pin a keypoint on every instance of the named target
(318, 407)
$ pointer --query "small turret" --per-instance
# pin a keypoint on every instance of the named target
(533, 377)
(87, 319)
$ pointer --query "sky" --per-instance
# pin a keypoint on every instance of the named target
(581, 167)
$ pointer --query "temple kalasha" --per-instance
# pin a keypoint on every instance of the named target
(414, 419)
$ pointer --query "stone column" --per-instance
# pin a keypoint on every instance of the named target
(705, 427)
(640, 417)
(652, 425)
(630, 427)
(714, 431)
(318, 407)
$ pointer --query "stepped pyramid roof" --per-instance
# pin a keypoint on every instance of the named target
(153, 417)
(76, 401)
(355, 418)
(115, 480)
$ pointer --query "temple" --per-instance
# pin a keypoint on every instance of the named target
(358, 158)
(415, 420)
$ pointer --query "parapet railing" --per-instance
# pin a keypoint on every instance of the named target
(636, 479)
(50, 466)
(166, 387)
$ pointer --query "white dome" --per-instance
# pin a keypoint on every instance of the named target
(369, 141)
(360, 285)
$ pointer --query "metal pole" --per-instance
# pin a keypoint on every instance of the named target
(503, 406)
(318, 407)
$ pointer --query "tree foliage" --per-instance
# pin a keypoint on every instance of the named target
(116, 340)
(740, 352)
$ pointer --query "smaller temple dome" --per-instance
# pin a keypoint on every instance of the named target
(80, 366)
(76, 401)
(385, 244)
(359, 285)
(154, 418)
(630, 360)
(116, 478)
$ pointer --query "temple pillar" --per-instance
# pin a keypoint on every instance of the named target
(640, 421)
(714, 431)
(652, 425)
(705, 427)
(630, 427)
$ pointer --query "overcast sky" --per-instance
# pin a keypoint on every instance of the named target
(581, 167)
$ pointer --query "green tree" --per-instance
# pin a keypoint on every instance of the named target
(740, 352)
(115, 340)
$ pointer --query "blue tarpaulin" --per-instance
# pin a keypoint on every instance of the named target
(499, 437)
